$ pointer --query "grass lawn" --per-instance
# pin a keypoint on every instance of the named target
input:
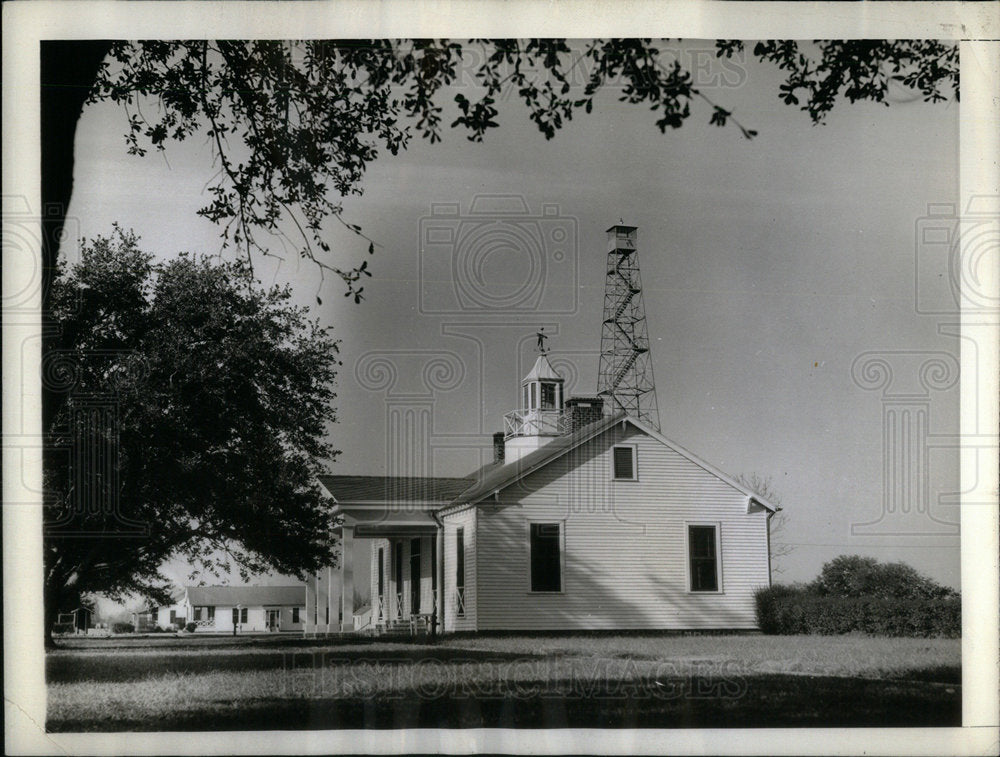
(514, 681)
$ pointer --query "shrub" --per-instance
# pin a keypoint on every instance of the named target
(856, 576)
(799, 610)
(191, 627)
(122, 628)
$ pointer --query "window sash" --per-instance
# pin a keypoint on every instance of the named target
(295, 614)
(624, 463)
(703, 558)
(546, 557)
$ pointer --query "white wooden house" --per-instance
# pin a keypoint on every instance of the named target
(251, 609)
(584, 520)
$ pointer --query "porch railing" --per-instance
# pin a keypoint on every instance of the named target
(380, 609)
(460, 601)
(531, 422)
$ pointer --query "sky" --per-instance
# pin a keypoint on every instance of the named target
(773, 271)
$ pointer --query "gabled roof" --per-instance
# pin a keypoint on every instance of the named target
(492, 478)
(353, 489)
(246, 595)
(542, 370)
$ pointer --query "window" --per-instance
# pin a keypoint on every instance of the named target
(548, 396)
(327, 614)
(295, 614)
(525, 403)
(534, 396)
(197, 614)
(460, 570)
(546, 560)
(211, 612)
(173, 617)
(624, 462)
(703, 558)
(243, 615)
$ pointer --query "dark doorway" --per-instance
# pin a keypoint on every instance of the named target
(381, 585)
(414, 576)
(398, 566)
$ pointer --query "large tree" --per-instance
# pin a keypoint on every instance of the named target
(194, 407)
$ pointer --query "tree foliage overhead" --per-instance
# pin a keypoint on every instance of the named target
(196, 404)
(294, 125)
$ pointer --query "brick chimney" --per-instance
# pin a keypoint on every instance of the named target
(582, 411)
(498, 446)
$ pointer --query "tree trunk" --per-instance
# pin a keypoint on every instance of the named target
(51, 603)
(68, 70)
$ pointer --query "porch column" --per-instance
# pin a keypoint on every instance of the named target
(347, 578)
(309, 627)
(439, 599)
(331, 601)
(321, 598)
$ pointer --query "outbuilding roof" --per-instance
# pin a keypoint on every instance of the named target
(247, 596)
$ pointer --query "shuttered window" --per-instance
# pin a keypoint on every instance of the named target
(703, 558)
(624, 463)
(546, 560)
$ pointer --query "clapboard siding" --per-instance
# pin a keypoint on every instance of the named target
(466, 520)
(625, 557)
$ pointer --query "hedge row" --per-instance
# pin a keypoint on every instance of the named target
(785, 610)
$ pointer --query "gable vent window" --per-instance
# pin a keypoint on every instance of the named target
(624, 463)
(704, 558)
(546, 557)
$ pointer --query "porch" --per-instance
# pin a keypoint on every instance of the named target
(405, 578)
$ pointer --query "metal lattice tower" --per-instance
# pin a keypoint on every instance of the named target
(625, 377)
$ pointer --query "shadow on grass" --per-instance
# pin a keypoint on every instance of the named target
(764, 701)
(120, 668)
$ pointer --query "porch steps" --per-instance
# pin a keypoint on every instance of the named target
(403, 627)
